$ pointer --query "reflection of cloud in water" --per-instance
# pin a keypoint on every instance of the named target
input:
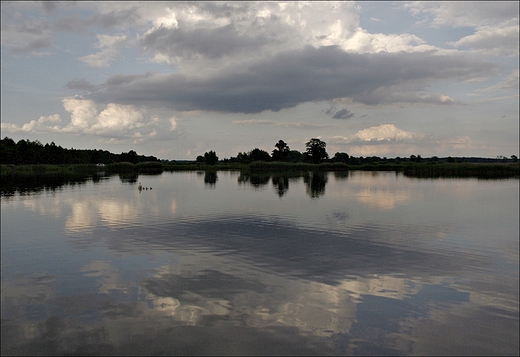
(52, 208)
(286, 248)
(311, 307)
(383, 198)
(26, 291)
(383, 286)
(83, 217)
(173, 207)
(117, 213)
(109, 277)
(250, 310)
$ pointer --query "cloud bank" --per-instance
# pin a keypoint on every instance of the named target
(294, 77)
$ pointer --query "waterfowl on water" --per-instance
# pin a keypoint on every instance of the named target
(140, 187)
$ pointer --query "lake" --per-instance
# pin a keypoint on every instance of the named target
(224, 263)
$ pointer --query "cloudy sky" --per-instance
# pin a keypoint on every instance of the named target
(177, 79)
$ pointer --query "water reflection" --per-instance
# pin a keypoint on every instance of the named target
(210, 178)
(255, 180)
(281, 184)
(315, 183)
(128, 177)
(359, 271)
(25, 185)
(383, 198)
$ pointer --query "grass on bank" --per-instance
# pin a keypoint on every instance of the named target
(480, 170)
(57, 170)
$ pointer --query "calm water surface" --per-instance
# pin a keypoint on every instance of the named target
(357, 263)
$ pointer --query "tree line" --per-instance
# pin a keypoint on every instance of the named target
(26, 152)
(316, 153)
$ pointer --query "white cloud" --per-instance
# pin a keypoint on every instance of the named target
(496, 26)
(34, 125)
(117, 117)
(384, 132)
(363, 42)
(110, 46)
(168, 19)
(83, 113)
(501, 39)
(511, 82)
(114, 123)
(55, 118)
(378, 133)
(379, 140)
(462, 13)
(173, 123)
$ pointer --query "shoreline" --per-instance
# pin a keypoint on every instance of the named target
(420, 170)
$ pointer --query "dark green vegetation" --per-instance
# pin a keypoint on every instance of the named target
(26, 152)
(28, 159)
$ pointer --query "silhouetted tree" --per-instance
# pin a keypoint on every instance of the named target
(7, 151)
(341, 157)
(316, 150)
(243, 158)
(281, 153)
(211, 157)
(294, 156)
(259, 155)
(34, 152)
(130, 156)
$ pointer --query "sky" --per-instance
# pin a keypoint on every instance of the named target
(177, 79)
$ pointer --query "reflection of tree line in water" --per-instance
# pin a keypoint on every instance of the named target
(22, 185)
(30, 184)
(314, 181)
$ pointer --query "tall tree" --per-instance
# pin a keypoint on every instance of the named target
(281, 153)
(341, 157)
(259, 155)
(316, 150)
(211, 157)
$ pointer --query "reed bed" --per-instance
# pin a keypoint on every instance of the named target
(432, 170)
(502, 170)
(48, 170)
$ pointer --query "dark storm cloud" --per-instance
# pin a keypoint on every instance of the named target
(291, 78)
(343, 114)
